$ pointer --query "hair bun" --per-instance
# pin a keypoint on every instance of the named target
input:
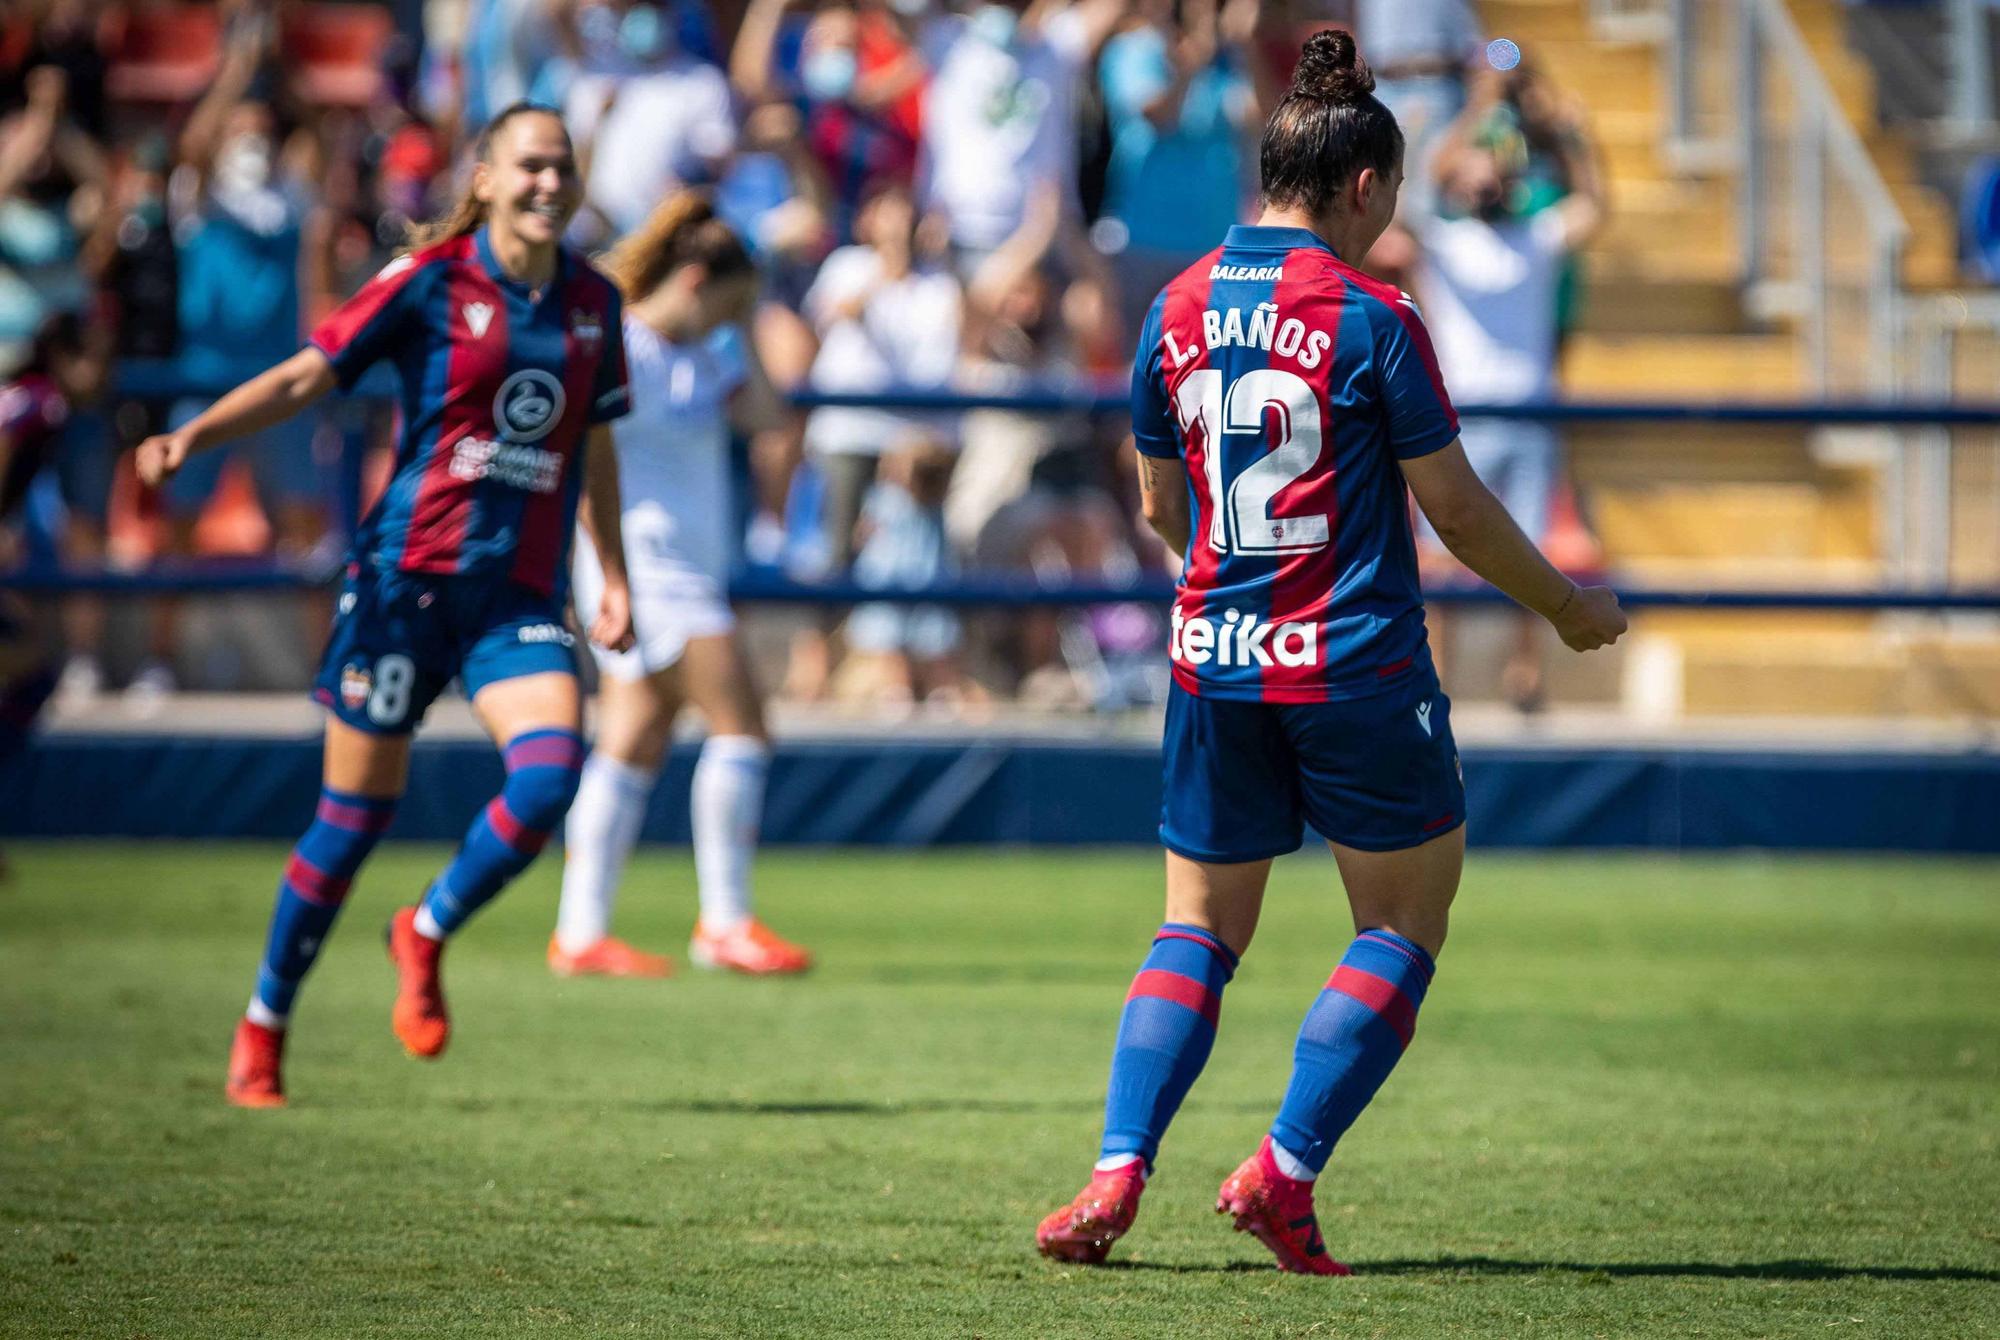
(1331, 69)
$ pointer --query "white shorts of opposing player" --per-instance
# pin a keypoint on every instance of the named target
(673, 473)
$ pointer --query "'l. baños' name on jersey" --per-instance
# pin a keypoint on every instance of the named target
(1291, 338)
(1241, 639)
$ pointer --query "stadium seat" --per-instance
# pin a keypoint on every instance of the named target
(163, 55)
(337, 51)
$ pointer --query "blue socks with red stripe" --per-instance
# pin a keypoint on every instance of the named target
(543, 768)
(343, 832)
(1351, 1039)
(1164, 1038)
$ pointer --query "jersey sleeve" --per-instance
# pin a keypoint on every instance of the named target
(1152, 416)
(366, 326)
(1419, 412)
(611, 393)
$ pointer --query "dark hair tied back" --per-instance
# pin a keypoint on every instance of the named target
(1331, 69)
(1328, 128)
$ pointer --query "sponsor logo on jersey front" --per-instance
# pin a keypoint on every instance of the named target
(356, 683)
(478, 316)
(528, 406)
(527, 468)
(1242, 640)
(583, 324)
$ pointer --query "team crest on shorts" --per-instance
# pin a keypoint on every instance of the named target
(356, 683)
(583, 324)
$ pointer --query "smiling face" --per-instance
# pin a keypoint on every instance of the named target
(529, 183)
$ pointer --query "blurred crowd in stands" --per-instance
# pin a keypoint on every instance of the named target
(976, 196)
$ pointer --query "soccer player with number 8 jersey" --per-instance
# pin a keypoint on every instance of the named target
(512, 365)
(1281, 402)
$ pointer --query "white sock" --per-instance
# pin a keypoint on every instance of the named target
(728, 806)
(1289, 1165)
(598, 838)
(264, 1016)
(1113, 1162)
(425, 924)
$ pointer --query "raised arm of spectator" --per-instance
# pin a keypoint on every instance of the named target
(32, 131)
(1188, 53)
(1584, 210)
(752, 62)
(202, 135)
(1011, 262)
(1100, 19)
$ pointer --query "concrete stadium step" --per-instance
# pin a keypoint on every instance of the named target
(1644, 455)
(1722, 664)
(1769, 367)
(1808, 522)
(1623, 297)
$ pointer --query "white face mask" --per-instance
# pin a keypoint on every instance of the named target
(244, 164)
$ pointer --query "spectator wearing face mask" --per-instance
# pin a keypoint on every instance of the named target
(648, 116)
(250, 233)
(1000, 117)
(854, 80)
(1490, 276)
(1179, 91)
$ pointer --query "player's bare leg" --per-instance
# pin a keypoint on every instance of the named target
(1164, 1037)
(362, 778)
(536, 721)
(1352, 1038)
(634, 725)
(728, 810)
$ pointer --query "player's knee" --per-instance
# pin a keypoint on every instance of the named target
(542, 775)
(540, 797)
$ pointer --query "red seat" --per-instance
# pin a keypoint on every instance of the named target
(163, 54)
(336, 50)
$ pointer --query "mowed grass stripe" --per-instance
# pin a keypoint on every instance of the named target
(1649, 1096)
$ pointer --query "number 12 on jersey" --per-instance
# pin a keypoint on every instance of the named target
(1239, 510)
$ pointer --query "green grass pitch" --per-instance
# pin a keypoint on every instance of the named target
(1721, 1097)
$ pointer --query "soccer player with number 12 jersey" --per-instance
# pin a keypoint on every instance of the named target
(1281, 401)
(509, 350)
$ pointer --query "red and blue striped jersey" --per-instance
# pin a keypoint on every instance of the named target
(499, 388)
(1291, 384)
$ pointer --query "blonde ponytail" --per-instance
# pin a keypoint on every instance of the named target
(682, 230)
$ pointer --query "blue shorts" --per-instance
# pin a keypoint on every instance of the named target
(1243, 779)
(400, 637)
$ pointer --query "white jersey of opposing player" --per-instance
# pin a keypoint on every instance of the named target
(673, 478)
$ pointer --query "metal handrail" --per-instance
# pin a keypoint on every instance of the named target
(1825, 143)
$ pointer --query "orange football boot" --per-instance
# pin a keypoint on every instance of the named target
(1083, 1230)
(419, 1017)
(749, 947)
(609, 957)
(1277, 1211)
(255, 1058)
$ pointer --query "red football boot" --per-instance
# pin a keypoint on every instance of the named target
(1083, 1230)
(748, 947)
(419, 1017)
(1277, 1211)
(608, 957)
(255, 1059)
